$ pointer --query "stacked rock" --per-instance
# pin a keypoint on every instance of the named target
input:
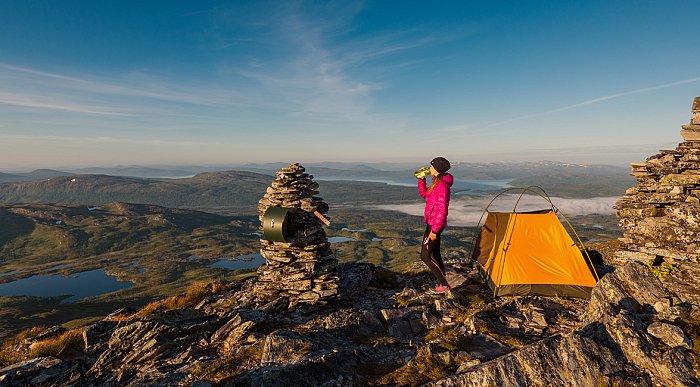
(302, 269)
(661, 215)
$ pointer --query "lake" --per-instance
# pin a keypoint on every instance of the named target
(240, 262)
(79, 285)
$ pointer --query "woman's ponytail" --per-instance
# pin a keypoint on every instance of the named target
(436, 179)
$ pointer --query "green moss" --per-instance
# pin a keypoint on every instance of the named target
(661, 270)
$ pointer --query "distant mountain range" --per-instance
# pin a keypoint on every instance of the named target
(231, 190)
(33, 175)
(485, 171)
(347, 184)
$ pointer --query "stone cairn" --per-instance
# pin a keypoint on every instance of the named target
(303, 269)
(661, 215)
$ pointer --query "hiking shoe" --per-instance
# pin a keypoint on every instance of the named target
(439, 289)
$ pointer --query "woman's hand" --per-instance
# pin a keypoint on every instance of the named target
(432, 236)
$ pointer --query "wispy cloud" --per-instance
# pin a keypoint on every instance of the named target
(135, 84)
(323, 77)
(594, 101)
(33, 101)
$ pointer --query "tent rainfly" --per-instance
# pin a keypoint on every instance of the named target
(530, 253)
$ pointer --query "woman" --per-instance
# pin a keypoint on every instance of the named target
(437, 199)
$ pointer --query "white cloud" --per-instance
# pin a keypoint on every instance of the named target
(467, 211)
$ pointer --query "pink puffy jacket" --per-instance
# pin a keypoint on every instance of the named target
(436, 202)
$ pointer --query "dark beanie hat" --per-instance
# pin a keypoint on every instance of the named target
(441, 165)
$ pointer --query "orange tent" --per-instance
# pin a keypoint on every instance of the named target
(530, 253)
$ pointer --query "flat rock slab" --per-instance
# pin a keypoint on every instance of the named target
(455, 279)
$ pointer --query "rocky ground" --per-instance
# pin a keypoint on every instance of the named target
(386, 330)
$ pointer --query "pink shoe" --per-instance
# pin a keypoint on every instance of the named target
(439, 289)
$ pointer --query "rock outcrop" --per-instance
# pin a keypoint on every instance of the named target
(303, 267)
(661, 215)
(611, 347)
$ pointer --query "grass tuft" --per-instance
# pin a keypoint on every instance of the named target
(67, 342)
(14, 350)
(194, 294)
(423, 368)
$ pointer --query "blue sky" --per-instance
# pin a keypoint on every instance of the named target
(207, 82)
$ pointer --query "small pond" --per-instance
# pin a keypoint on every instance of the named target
(358, 230)
(340, 239)
(240, 262)
(79, 285)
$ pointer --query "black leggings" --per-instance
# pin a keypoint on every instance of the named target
(430, 254)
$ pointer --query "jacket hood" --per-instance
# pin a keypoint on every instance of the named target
(448, 179)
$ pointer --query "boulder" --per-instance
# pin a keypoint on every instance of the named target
(670, 335)
(354, 323)
(354, 278)
(631, 287)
